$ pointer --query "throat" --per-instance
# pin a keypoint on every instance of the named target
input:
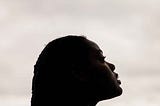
(83, 103)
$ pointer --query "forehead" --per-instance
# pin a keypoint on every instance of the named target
(94, 46)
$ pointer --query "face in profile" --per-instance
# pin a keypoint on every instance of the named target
(73, 69)
(100, 75)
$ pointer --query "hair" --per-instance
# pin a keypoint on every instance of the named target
(54, 65)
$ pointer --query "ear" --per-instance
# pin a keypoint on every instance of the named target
(80, 74)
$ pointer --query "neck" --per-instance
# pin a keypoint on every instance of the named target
(80, 103)
(61, 100)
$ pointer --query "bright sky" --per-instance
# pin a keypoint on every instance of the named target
(128, 31)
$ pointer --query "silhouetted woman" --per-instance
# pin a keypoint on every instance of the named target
(72, 71)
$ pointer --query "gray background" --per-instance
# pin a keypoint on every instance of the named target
(128, 31)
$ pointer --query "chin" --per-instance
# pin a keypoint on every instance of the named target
(111, 94)
(118, 92)
(115, 93)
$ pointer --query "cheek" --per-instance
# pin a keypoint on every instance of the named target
(104, 70)
(102, 74)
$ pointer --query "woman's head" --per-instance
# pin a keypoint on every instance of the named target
(74, 67)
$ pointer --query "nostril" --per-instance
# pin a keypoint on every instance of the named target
(116, 75)
(112, 66)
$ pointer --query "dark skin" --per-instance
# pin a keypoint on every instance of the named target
(100, 74)
(72, 71)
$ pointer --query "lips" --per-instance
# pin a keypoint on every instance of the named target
(119, 81)
(116, 75)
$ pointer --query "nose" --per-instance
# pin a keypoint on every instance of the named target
(116, 75)
(111, 66)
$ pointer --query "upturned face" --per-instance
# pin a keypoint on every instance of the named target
(101, 75)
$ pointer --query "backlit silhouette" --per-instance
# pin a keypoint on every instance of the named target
(72, 71)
